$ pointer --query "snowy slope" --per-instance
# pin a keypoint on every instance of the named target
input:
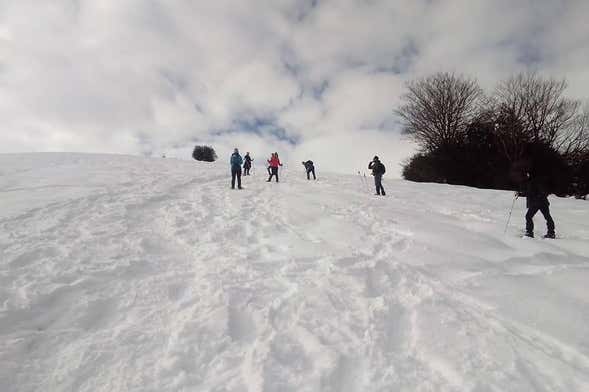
(129, 274)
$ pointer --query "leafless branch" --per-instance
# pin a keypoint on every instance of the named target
(437, 110)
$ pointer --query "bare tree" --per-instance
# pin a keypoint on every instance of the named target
(537, 105)
(511, 138)
(573, 141)
(437, 109)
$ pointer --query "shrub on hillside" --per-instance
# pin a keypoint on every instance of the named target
(474, 162)
(580, 177)
(204, 153)
(421, 168)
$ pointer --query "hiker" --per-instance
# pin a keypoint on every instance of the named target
(247, 164)
(310, 169)
(378, 170)
(536, 200)
(236, 162)
(273, 164)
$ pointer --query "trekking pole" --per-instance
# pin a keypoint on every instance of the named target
(366, 183)
(363, 182)
(510, 212)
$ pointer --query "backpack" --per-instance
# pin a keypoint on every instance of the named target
(378, 168)
(236, 160)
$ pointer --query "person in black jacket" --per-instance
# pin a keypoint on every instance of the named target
(310, 168)
(378, 170)
(537, 200)
(247, 164)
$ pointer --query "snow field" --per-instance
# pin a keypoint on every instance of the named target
(129, 274)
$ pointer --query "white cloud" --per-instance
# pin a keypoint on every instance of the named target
(155, 76)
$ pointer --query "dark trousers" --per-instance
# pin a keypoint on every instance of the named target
(246, 170)
(273, 172)
(236, 173)
(545, 210)
(378, 184)
(309, 171)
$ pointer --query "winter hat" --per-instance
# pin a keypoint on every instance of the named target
(236, 150)
(375, 158)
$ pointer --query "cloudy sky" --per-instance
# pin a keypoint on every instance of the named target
(314, 79)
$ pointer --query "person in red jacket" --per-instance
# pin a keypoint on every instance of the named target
(273, 163)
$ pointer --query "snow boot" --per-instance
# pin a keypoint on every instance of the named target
(550, 236)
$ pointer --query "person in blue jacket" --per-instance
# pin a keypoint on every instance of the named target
(236, 162)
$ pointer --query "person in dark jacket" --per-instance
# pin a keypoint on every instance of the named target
(247, 164)
(537, 200)
(378, 170)
(310, 168)
(236, 162)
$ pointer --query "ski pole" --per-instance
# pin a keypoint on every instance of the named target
(510, 212)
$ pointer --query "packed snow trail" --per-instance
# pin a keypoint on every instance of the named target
(129, 274)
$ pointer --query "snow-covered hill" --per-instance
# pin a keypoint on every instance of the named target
(129, 274)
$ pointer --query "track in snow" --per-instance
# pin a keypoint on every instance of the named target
(132, 274)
